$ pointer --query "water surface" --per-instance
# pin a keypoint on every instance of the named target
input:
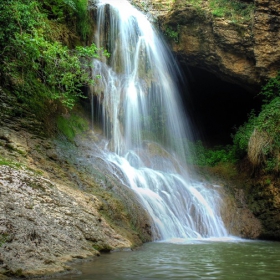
(187, 260)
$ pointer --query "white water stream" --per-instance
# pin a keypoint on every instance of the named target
(141, 114)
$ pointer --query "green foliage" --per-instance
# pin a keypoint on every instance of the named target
(35, 63)
(16, 17)
(268, 122)
(60, 9)
(260, 136)
(235, 10)
(272, 89)
(242, 136)
(71, 125)
(196, 3)
(39, 62)
(218, 12)
(3, 239)
(202, 156)
(7, 162)
(171, 33)
(73, 12)
(83, 19)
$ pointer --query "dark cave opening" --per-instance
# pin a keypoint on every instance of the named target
(215, 107)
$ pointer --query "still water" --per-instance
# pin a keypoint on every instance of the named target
(203, 259)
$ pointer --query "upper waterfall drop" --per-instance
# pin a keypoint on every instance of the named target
(148, 131)
(141, 81)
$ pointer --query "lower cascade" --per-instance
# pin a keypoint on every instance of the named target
(138, 103)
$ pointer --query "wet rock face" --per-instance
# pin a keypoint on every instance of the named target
(243, 53)
(238, 218)
(265, 204)
(43, 225)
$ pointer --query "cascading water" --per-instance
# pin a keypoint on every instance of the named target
(140, 108)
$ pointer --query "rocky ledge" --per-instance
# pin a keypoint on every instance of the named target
(244, 52)
(43, 225)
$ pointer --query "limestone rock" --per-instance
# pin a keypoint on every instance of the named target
(43, 225)
(246, 53)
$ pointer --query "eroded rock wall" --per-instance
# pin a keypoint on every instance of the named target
(58, 202)
(246, 52)
(217, 46)
(43, 225)
(266, 34)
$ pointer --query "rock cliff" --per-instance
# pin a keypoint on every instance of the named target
(57, 202)
(244, 51)
(43, 225)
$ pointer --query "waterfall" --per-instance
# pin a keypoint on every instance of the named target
(147, 130)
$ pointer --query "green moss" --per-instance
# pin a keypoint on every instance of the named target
(18, 165)
(3, 239)
(11, 147)
(11, 163)
(70, 125)
(172, 33)
(234, 10)
(195, 3)
(102, 248)
(203, 156)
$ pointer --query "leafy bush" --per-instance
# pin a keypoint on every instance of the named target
(242, 136)
(50, 64)
(173, 34)
(272, 89)
(35, 62)
(202, 156)
(260, 136)
(73, 12)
